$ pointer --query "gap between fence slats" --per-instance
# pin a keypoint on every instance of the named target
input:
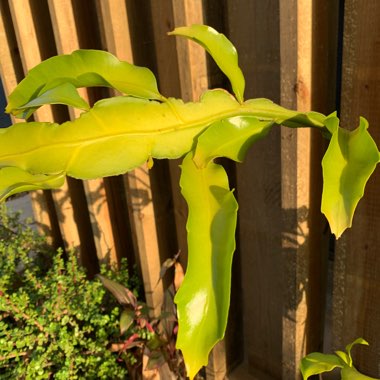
(356, 301)
(254, 28)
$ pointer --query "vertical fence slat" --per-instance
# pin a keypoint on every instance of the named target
(163, 21)
(296, 23)
(31, 51)
(11, 72)
(192, 75)
(306, 247)
(356, 301)
(191, 57)
(324, 64)
(10, 63)
(253, 27)
(115, 34)
(115, 23)
(31, 55)
(145, 233)
(67, 40)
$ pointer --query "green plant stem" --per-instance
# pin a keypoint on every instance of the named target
(16, 310)
(12, 356)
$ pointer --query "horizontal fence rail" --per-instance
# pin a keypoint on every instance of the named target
(289, 297)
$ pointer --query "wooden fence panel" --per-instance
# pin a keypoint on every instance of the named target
(281, 237)
(356, 302)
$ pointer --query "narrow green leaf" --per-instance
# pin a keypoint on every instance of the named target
(229, 138)
(351, 345)
(343, 356)
(82, 68)
(15, 180)
(316, 363)
(265, 109)
(203, 299)
(348, 163)
(349, 372)
(126, 320)
(65, 93)
(222, 51)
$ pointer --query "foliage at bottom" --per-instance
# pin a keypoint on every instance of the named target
(317, 363)
(54, 322)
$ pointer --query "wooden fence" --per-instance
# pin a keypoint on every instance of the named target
(289, 297)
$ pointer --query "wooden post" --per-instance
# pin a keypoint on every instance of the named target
(356, 301)
(307, 53)
(296, 45)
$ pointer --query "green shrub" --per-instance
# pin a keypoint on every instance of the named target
(54, 322)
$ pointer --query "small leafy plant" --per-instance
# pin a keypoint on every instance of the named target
(118, 134)
(317, 363)
(149, 344)
(54, 322)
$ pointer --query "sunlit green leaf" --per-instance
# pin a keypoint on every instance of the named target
(229, 138)
(343, 356)
(351, 345)
(15, 180)
(349, 161)
(65, 93)
(115, 136)
(203, 299)
(351, 373)
(82, 68)
(221, 50)
(316, 363)
(265, 109)
(120, 134)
